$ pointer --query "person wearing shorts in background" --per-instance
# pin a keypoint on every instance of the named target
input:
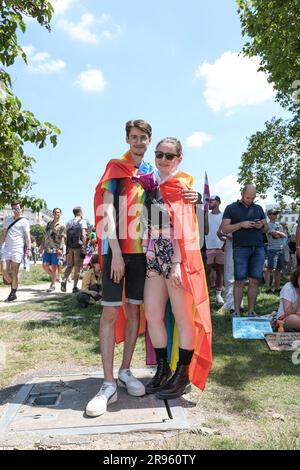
(76, 242)
(53, 246)
(246, 221)
(17, 244)
(276, 243)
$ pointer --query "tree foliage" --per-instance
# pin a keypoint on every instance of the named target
(273, 28)
(37, 231)
(273, 155)
(17, 125)
(272, 160)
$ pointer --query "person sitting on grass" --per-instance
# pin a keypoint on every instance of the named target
(289, 307)
(91, 290)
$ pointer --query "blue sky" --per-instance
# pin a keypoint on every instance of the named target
(172, 63)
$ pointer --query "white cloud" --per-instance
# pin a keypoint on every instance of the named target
(197, 139)
(228, 189)
(45, 64)
(51, 66)
(40, 56)
(90, 28)
(91, 80)
(29, 50)
(232, 81)
(60, 6)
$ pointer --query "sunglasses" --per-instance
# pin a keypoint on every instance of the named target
(168, 156)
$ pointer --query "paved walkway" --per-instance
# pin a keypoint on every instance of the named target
(28, 294)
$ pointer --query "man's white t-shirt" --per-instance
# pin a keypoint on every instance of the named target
(288, 292)
(212, 240)
(15, 238)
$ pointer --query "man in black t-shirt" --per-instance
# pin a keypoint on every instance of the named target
(246, 221)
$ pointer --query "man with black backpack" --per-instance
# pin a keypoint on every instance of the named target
(17, 243)
(76, 240)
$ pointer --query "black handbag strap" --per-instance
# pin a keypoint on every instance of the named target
(13, 223)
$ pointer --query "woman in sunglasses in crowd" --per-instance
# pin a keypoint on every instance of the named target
(175, 272)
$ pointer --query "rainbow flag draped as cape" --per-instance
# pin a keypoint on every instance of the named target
(184, 221)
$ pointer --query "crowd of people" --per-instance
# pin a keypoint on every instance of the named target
(145, 250)
(62, 246)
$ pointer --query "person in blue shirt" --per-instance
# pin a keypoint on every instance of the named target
(247, 222)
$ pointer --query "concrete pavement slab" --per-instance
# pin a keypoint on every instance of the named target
(54, 406)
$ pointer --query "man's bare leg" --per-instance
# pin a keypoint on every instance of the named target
(7, 271)
(277, 279)
(14, 274)
(219, 276)
(107, 340)
(131, 333)
(252, 294)
(238, 295)
(268, 279)
(53, 275)
(48, 269)
(76, 275)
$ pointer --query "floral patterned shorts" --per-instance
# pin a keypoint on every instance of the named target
(161, 261)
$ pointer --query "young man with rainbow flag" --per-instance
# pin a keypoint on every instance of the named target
(118, 201)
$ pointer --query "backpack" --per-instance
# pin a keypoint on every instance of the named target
(74, 236)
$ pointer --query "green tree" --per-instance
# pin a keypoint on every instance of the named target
(273, 29)
(273, 155)
(272, 161)
(37, 231)
(17, 125)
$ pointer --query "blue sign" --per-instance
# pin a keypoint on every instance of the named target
(250, 328)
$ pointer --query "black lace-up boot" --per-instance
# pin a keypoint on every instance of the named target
(163, 373)
(178, 385)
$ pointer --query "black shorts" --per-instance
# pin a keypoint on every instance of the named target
(135, 273)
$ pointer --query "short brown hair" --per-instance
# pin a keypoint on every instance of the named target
(294, 277)
(141, 125)
(172, 140)
(16, 203)
(76, 210)
(56, 209)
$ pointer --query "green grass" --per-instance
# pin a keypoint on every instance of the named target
(287, 437)
(36, 275)
(251, 400)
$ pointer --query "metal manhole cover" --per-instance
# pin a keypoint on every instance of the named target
(43, 399)
(32, 409)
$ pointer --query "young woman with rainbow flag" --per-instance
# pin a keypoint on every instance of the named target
(175, 272)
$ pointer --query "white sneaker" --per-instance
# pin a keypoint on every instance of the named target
(134, 386)
(220, 300)
(106, 395)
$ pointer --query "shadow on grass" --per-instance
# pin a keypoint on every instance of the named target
(80, 323)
